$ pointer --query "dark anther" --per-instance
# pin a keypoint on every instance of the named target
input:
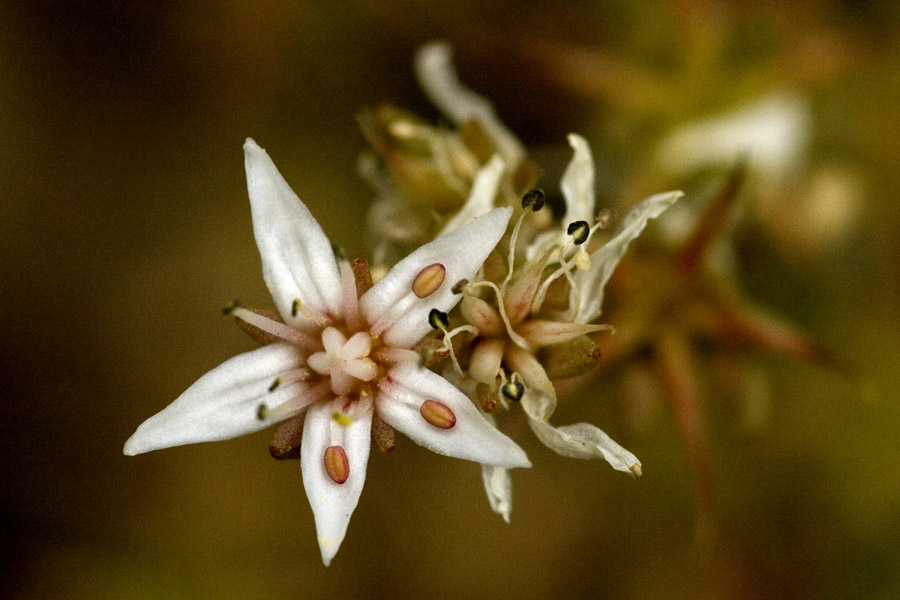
(295, 307)
(579, 230)
(229, 308)
(534, 198)
(438, 320)
(262, 411)
(513, 391)
(275, 384)
(459, 286)
(338, 252)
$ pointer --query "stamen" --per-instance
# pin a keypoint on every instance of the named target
(392, 315)
(336, 464)
(517, 339)
(606, 217)
(460, 286)
(291, 376)
(341, 418)
(309, 314)
(280, 330)
(428, 280)
(565, 268)
(293, 406)
(438, 320)
(511, 259)
(229, 308)
(257, 334)
(579, 231)
(395, 356)
(534, 199)
(350, 297)
(486, 396)
(437, 414)
(514, 390)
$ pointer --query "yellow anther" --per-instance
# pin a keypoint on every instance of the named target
(341, 418)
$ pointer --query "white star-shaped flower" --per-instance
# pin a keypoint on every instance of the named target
(340, 355)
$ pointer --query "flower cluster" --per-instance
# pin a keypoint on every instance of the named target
(530, 317)
(442, 344)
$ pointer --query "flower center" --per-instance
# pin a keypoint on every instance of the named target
(344, 360)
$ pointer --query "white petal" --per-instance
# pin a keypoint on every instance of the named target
(223, 403)
(333, 341)
(481, 196)
(577, 186)
(772, 134)
(405, 389)
(581, 440)
(395, 312)
(438, 79)
(578, 183)
(333, 503)
(498, 485)
(591, 283)
(297, 259)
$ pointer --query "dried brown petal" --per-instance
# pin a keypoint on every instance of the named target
(286, 438)
(570, 359)
(383, 435)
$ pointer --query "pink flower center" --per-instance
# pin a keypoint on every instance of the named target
(345, 361)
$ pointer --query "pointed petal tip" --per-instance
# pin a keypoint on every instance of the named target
(140, 442)
(250, 144)
(329, 551)
(131, 447)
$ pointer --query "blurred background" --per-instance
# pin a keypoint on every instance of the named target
(125, 227)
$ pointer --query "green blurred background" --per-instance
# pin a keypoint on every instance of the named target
(125, 227)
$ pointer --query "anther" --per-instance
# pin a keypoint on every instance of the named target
(487, 397)
(428, 280)
(437, 414)
(336, 464)
(579, 230)
(229, 308)
(606, 217)
(262, 411)
(534, 199)
(275, 384)
(513, 390)
(295, 307)
(438, 320)
(341, 418)
(459, 286)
